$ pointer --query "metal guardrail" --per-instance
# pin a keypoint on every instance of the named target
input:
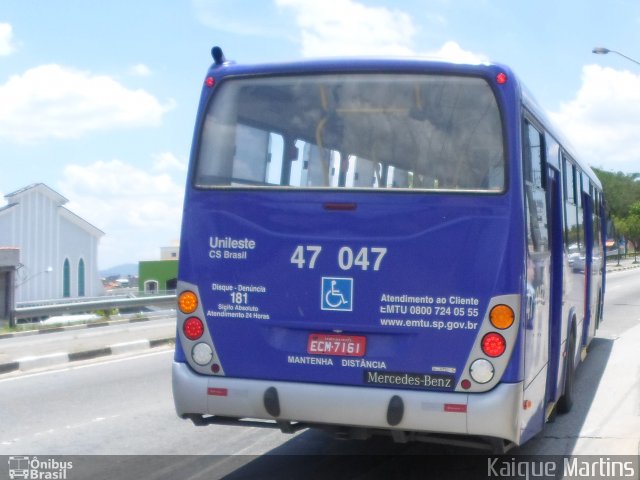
(93, 304)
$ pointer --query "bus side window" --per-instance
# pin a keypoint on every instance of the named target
(534, 157)
(534, 192)
(572, 212)
(597, 232)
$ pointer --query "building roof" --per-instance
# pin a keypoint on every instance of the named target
(81, 222)
(7, 207)
(15, 197)
(51, 193)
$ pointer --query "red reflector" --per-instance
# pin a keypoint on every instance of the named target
(501, 78)
(193, 328)
(218, 392)
(466, 384)
(210, 82)
(493, 344)
(455, 407)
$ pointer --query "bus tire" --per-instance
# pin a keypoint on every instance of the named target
(566, 400)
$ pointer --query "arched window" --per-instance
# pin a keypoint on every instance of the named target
(151, 286)
(81, 292)
(66, 279)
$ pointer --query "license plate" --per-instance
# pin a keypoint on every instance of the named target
(339, 345)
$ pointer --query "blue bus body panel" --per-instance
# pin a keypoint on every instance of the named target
(250, 253)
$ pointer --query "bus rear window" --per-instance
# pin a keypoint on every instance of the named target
(356, 131)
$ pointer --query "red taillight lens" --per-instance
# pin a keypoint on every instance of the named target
(210, 82)
(193, 328)
(493, 344)
(501, 78)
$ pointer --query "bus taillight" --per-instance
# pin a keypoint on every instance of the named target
(193, 328)
(493, 344)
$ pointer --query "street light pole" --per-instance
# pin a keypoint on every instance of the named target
(604, 51)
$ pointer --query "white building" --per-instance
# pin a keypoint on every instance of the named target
(58, 249)
(170, 253)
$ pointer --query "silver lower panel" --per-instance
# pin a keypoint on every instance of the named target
(493, 414)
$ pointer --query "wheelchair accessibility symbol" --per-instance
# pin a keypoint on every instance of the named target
(337, 294)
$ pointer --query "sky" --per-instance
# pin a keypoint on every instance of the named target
(98, 99)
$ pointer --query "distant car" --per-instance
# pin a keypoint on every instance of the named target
(576, 258)
(578, 263)
(574, 253)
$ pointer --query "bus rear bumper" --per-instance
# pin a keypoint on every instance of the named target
(493, 414)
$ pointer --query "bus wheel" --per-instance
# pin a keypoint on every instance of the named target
(566, 400)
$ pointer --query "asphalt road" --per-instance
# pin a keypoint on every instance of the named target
(123, 406)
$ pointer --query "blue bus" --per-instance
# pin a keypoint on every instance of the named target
(382, 246)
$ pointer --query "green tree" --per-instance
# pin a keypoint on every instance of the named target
(629, 226)
(620, 191)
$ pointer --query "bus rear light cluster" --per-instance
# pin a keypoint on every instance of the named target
(195, 338)
(493, 346)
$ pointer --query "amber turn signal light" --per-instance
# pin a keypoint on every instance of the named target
(501, 316)
(187, 302)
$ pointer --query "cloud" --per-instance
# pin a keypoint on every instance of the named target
(262, 19)
(346, 27)
(453, 52)
(7, 46)
(139, 211)
(69, 103)
(140, 70)
(167, 161)
(602, 120)
(331, 28)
